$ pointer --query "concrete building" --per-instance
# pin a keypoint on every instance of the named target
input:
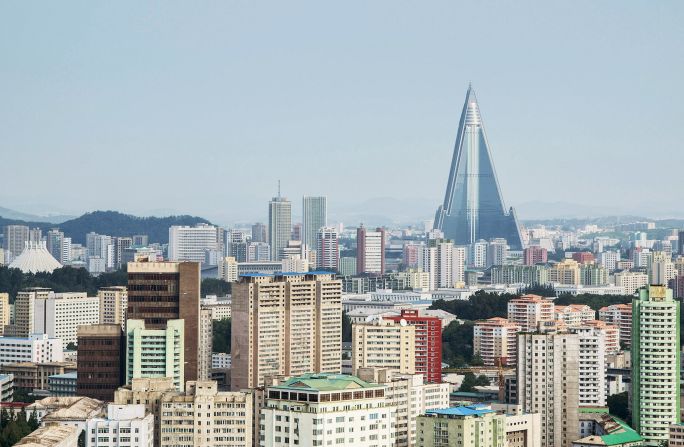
(548, 383)
(220, 360)
(315, 217)
(38, 348)
(228, 269)
(619, 315)
(326, 409)
(147, 392)
(125, 425)
(24, 310)
(370, 250)
(477, 254)
(476, 426)
(609, 259)
(520, 274)
(529, 310)
(497, 252)
(495, 340)
(285, 324)
(384, 344)
(220, 308)
(347, 266)
(598, 428)
(113, 305)
(51, 436)
(163, 291)
(16, 237)
(4, 312)
(6, 387)
(676, 437)
(574, 314)
(279, 225)
(655, 363)
(101, 359)
(565, 272)
(228, 422)
(68, 410)
(535, 255)
(661, 268)
(206, 344)
(327, 249)
(444, 263)
(631, 281)
(593, 275)
(60, 314)
(192, 243)
(409, 397)
(610, 332)
(592, 366)
(259, 233)
(30, 376)
(62, 384)
(152, 353)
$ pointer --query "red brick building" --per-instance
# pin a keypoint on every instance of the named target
(428, 343)
(583, 257)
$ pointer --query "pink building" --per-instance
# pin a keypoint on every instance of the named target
(535, 255)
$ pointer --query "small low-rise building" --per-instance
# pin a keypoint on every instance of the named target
(598, 428)
(38, 348)
(51, 436)
(473, 425)
(124, 426)
(62, 384)
(32, 377)
(69, 410)
(6, 387)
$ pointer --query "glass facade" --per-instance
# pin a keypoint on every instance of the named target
(473, 208)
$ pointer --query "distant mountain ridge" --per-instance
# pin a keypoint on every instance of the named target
(18, 215)
(113, 223)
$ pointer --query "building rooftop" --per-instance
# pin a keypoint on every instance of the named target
(35, 258)
(68, 407)
(470, 410)
(617, 431)
(49, 436)
(325, 382)
(71, 375)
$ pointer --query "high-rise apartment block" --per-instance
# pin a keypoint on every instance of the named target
(574, 314)
(327, 409)
(475, 426)
(548, 384)
(592, 366)
(384, 344)
(631, 282)
(619, 315)
(370, 250)
(535, 254)
(428, 343)
(279, 225)
(327, 249)
(16, 237)
(205, 343)
(655, 363)
(528, 311)
(24, 310)
(154, 353)
(60, 314)
(100, 360)
(204, 416)
(495, 340)
(444, 263)
(566, 272)
(661, 268)
(497, 252)
(4, 312)
(285, 325)
(315, 217)
(163, 291)
(192, 243)
(228, 269)
(113, 305)
(259, 233)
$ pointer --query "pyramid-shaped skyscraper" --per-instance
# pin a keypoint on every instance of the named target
(473, 207)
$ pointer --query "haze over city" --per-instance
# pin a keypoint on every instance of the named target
(210, 104)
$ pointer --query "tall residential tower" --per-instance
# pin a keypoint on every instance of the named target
(315, 216)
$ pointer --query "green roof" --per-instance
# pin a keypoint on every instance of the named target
(325, 382)
(593, 410)
(622, 435)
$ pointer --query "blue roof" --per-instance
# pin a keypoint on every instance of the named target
(470, 410)
(317, 272)
(71, 375)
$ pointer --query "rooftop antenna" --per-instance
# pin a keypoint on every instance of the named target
(278, 188)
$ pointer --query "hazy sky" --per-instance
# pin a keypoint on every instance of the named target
(199, 107)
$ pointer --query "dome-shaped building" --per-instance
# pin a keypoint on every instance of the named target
(35, 258)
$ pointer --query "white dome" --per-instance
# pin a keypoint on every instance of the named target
(35, 258)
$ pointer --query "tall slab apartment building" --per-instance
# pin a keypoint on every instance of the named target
(285, 324)
(163, 291)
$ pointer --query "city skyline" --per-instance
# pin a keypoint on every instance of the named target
(232, 114)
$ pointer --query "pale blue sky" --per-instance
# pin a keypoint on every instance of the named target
(199, 107)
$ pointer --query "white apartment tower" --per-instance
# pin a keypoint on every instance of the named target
(315, 217)
(113, 305)
(444, 263)
(285, 325)
(384, 344)
(327, 249)
(592, 366)
(60, 314)
(192, 243)
(529, 310)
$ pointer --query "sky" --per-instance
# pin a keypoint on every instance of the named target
(201, 107)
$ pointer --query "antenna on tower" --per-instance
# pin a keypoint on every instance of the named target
(278, 188)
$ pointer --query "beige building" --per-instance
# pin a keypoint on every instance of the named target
(676, 437)
(408, 397)
(631, 281)
(574, 314)
(204, 416)
(565, 272)
(113, 305)
(285, 324)
(228, 269)
(148, 392)
(4, 312)
(206, 344)
(495, 341)
(51, 436)
(548, 384)
(34, 376)
(610, 332)
(619, 315)
(384, 344)
(474, 425)
(24, 310)
(528, 310)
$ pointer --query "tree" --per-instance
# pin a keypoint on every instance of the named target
(594, 301)
(346, 327)
(221, 333)
(457, 344)
(470, 381)
(71, 346)
(618, 405)
(33, 421)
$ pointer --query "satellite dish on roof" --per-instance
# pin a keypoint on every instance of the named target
(403, 322)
